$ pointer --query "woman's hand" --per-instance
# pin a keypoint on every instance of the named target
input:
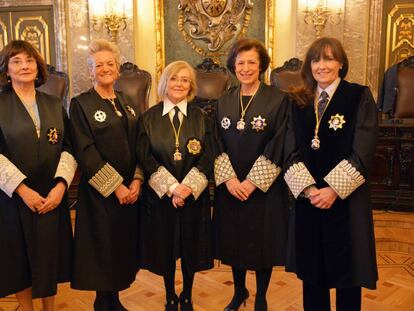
(54, 198)
(122, 193)
(236, 189)
(134, 190)
(177, 201)
(323, 198)
(31, 198)
(248, 186)
(182, 191)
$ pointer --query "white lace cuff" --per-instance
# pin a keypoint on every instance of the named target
(106, 180)
(197, 181)
(67, 167)
(344, 179)
(10, 176)
(298, 178)
(263, 173)
(223, 170)
(161, 181)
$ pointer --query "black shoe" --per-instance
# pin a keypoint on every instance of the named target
(260, 304)
(237, 301)
(116, 305)
(186, 303)
(172, 304)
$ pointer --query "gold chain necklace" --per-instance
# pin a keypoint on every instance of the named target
(177, 154)
(112, 102)
(241, 124)
(316, 143)
(29, 105)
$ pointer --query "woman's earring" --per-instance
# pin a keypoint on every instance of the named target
(8, 79)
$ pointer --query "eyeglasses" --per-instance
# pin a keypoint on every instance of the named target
(177, 80)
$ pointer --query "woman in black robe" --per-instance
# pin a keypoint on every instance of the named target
(103, 126)
(334, 124)
(36, 168)
(251, 205)
(175, 147)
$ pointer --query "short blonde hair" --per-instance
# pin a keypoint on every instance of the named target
(171, 70)
(99, 45)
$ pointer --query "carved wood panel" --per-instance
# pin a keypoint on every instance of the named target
(32, 24)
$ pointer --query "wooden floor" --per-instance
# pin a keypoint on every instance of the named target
(213, 289)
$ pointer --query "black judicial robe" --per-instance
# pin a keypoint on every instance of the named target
(252, 234)
(35, 249)
(167, 233)
(106, 233)
(335, 248)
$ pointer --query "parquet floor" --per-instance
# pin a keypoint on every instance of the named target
(213, 289)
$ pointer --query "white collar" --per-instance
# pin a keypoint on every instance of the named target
(330, 89)
(168, 106)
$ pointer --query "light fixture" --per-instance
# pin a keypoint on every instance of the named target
(110, 14)
(318, 12)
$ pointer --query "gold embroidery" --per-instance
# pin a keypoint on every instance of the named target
(263, 173)
(106, 180)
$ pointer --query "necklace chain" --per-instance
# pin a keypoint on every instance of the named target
(29, 105)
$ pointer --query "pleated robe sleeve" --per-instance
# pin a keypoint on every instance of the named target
(196, 178)
(67, 164)
(352, 171)
(268, 165)
(159, 178)
(100, 174)
(297, 175)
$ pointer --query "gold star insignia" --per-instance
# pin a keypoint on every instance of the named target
(336, 122)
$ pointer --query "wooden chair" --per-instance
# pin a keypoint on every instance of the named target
(135, 83)
(404, 104)
(212, 82)
(57, 84)
(288, 75)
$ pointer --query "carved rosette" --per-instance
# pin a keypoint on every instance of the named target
(207, 25)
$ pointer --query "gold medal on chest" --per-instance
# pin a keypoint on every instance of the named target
(194, 146)
(258, 123)
(177, 155)
(53, 135)
(336, 122)
(241, 125)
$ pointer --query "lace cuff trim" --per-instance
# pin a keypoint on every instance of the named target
(223, 170)
(197, 181)
(10, 176)
(161, 181)
(66, 167)
(344, 179)
(263, 173)
(298, 178)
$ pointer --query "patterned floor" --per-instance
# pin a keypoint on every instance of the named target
(213, 290)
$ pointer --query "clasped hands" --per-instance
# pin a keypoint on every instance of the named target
(39, 204)
(321, 198)
(179, 194)
(240, 190)
(128, 195)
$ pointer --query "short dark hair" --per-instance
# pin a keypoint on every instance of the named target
(247, 44)
(12, 49)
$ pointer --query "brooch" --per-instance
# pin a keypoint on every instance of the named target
(336, 122)
(194, 146)
(53, 135)
(225, 123)
(131, 110)
(100, 116)
(258, 123)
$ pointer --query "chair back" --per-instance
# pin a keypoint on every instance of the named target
(404, 104)
(57, 84)
(288, 75)
(136, 83)
(212, 82)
